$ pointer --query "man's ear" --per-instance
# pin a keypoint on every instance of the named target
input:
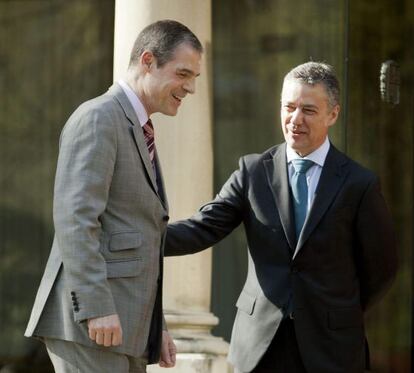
(147, 60)
(334, 115)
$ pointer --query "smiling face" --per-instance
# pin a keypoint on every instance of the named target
(306, 115)
(163, 88)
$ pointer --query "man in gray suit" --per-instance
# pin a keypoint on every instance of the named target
(321, 246)
(99, 305)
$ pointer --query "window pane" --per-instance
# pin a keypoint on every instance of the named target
(255, 43)
(380, 136)
(53, 56)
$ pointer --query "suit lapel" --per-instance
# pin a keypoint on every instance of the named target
(332, 177)
(160, 180)
(136, 132)
(277, 176)
(139, 139)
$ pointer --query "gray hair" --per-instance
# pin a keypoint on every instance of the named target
(162, 38)
(313, 73)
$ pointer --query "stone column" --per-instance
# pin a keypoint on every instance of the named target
(184, 144)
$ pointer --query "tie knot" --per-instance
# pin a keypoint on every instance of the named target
(301, 166)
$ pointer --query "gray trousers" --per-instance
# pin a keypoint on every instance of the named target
(69, 357)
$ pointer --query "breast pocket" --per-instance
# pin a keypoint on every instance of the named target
(344, 213)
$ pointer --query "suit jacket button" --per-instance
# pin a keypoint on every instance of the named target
(76, 308)
(72, 293)
(166, 218)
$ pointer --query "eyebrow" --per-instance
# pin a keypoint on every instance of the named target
(306, 106)
(188, 71)
(310, 106)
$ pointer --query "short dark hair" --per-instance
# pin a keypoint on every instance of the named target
(317, 73)
(162, 38)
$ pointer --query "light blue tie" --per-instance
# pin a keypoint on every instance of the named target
(300, 191)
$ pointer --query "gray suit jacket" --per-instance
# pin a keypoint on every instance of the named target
(342, 262)
(110, 221)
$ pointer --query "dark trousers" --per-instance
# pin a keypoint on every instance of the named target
(282, 355)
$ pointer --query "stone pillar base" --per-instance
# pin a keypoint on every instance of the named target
(198, 350)
(195, 363)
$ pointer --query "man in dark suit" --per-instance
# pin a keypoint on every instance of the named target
(321, 246)
(99, 307)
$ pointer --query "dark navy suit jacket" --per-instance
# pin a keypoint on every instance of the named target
(343, 261)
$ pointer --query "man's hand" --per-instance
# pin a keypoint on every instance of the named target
(105, 330)
(168, 351)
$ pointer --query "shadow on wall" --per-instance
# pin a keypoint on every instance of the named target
(24, 246)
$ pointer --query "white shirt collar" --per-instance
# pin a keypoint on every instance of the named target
(318, 156)
(135, 102)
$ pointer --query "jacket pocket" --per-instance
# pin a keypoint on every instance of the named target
(123, 268)
(345, 211)
(246, 303)
(344, 318)
(125, 241)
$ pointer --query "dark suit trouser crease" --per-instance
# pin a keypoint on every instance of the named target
(282, 355)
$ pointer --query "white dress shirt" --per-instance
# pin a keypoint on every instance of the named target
(135, 102)
(314, 173)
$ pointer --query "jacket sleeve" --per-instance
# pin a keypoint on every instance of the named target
(213, 222)
(85, 166)
(376, 249)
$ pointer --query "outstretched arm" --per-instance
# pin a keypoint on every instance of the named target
(213, 222)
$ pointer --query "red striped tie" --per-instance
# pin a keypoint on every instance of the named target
(149, 138)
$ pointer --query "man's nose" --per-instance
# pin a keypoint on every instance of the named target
(296, 117)
(189, 85)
